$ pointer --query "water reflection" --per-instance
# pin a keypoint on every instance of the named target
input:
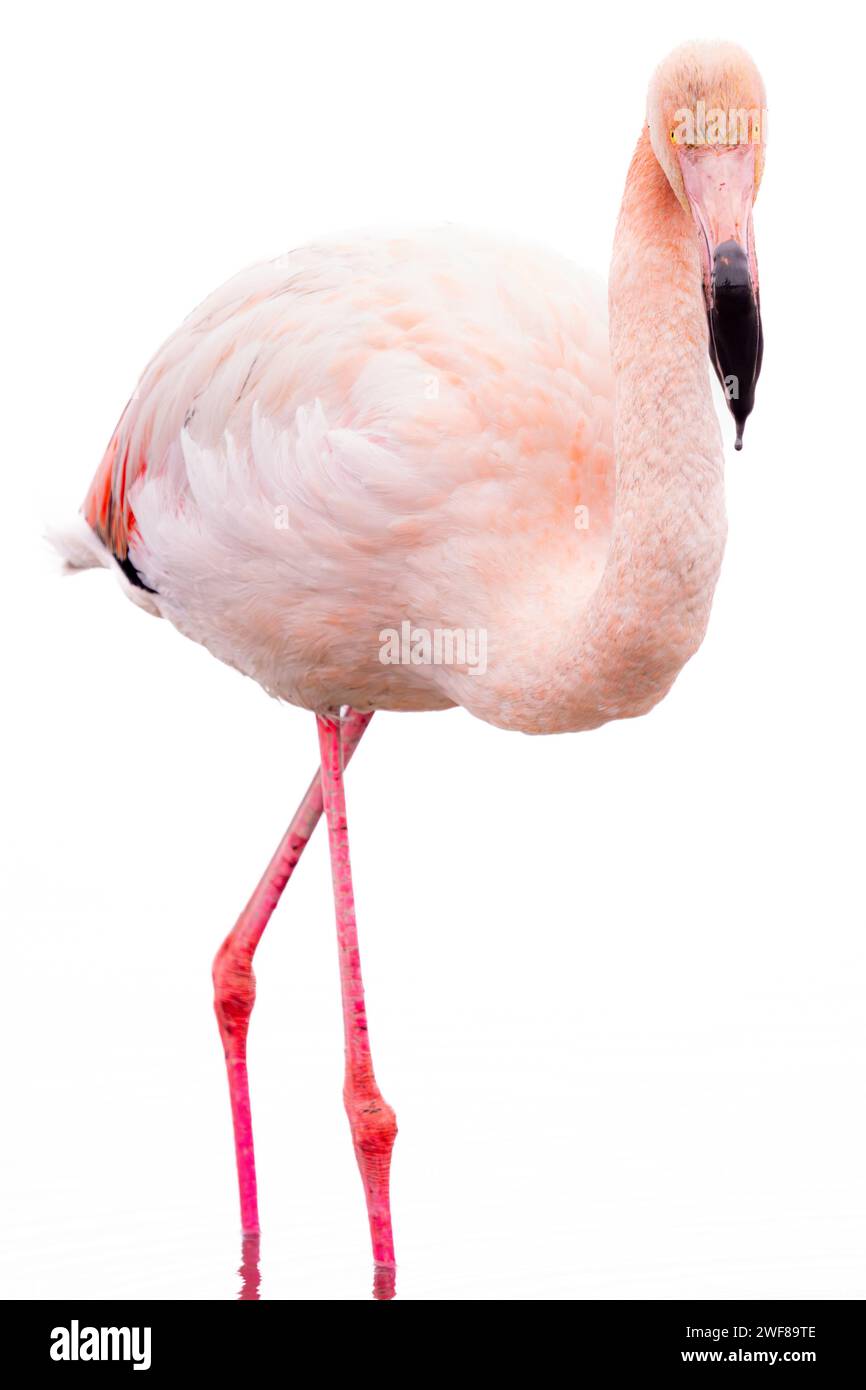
(384, 1281)
(384, 1276)
(249, 1270)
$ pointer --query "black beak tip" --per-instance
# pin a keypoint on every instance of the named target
(736, 339)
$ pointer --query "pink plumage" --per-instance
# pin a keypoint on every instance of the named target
(365, 432)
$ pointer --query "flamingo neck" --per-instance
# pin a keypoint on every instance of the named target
(650, 610)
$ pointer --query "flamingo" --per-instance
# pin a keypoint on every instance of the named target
(440, 434)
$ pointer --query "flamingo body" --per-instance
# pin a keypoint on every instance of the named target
(364, 433)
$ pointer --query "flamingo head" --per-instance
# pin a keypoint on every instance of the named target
(706, 112)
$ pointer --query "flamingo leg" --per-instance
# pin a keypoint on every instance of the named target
(372, 1121)
(235, 983)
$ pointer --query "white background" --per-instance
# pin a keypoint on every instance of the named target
(615, 981)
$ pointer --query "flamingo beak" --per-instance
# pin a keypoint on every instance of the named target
(719, 181)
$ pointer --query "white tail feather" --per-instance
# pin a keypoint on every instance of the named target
(78, 546)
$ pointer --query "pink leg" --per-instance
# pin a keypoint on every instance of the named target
(234, 981)
(372, 1121)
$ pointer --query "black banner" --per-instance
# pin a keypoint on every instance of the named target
(156, 1338)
